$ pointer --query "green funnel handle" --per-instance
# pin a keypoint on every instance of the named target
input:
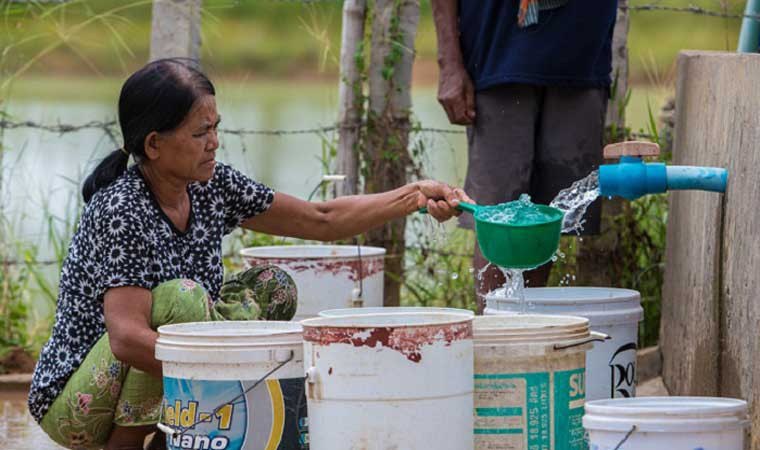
(468, 207)
(462, 206)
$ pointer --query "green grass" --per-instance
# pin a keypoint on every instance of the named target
(637, 113)
(655, 38)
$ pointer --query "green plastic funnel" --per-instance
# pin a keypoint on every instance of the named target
(521, 245)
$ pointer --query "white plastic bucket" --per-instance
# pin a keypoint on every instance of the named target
(610, 366)
(529, 381)
(327, 276)
(389, 381)
(209, 366)
(392, 309)
(672, 423)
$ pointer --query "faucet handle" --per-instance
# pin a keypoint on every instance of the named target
(631, 148)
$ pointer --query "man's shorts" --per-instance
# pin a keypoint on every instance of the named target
(536, 140)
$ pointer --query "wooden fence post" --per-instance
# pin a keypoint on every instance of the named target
(350, 96)
(594, 253)
(394, 27)
(176, 29)
(710, 316)
(616, 113)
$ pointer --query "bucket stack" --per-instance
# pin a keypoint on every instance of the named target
(429, 378)
(615, 312)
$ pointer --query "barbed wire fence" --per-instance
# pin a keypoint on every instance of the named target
(691, 9)
(110, 127)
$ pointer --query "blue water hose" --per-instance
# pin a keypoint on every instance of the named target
(749, 37)
(711, 179)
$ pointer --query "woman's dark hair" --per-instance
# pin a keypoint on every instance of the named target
(157, 97)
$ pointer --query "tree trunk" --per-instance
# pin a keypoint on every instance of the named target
(176, 29)
(616, 108)
(387, 158)
(595, 254)
(350, 96)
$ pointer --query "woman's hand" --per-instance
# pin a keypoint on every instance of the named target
(440, 199)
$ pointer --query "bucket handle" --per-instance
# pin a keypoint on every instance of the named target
(311, 375)
(625, 438)
(594, 336)
(170, 431)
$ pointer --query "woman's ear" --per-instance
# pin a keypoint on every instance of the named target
(152, 145)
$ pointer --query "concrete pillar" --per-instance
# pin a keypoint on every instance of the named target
(711, 310)
(176, 29)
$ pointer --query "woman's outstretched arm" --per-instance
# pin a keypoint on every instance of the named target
(348, 216)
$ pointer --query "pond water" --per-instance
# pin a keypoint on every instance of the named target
(41, 170)
(20, 431)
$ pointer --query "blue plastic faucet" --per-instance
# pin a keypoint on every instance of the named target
(632, 177)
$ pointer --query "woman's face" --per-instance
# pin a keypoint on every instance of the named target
(188, 153)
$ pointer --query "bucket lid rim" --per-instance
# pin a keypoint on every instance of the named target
(542, 322)
(392, 309)
(447, 319)
(596, 317)
(367, 251)
(682, 407)
(620, 295)
(246, 328)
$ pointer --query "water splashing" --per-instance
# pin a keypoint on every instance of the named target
(518, 212)
(515, 287)
(574, 201)
(480, 276)
(435, 231)
(482, 271)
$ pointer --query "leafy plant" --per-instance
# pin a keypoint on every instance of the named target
(14, 308)
(439, 268)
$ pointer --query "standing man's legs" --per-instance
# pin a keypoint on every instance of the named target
(569, 146)
(500, 159)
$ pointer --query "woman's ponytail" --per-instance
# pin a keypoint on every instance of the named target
(105, 173)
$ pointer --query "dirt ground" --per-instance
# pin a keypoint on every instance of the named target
(17, 360)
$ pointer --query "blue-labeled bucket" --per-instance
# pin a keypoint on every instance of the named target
(233, 386)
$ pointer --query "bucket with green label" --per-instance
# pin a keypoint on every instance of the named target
(530, 381)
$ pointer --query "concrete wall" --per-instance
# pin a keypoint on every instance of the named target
(710, 336)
